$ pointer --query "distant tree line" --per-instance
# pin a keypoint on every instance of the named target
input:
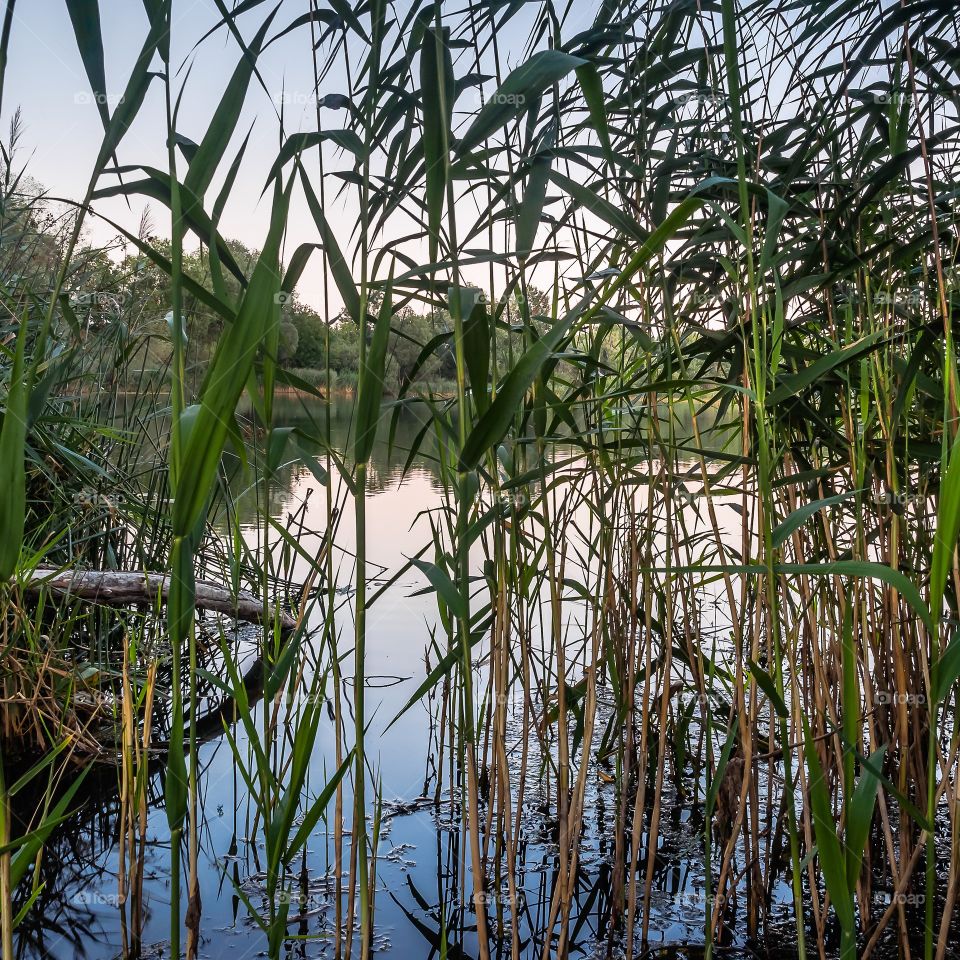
(121, 285)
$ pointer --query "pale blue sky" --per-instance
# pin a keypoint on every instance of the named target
(63, 131)
(62, 127)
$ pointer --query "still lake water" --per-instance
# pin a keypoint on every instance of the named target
(422, 860)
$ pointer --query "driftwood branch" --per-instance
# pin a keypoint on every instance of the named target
(119, 588)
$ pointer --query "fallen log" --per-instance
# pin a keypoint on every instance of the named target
(119, 588)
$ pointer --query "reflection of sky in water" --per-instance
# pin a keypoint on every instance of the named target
(420, 846)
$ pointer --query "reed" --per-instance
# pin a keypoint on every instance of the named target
(701, 478)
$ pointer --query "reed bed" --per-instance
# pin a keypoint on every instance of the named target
(696, 547)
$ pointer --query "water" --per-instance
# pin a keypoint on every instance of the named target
(423, 865)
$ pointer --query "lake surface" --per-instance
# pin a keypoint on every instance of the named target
(423, 901)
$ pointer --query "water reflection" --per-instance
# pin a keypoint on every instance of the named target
(422, 910)
(404, 442)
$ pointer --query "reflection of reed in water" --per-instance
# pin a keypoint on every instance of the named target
(79, 897)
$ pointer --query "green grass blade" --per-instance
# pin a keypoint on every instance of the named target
(516, 93)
